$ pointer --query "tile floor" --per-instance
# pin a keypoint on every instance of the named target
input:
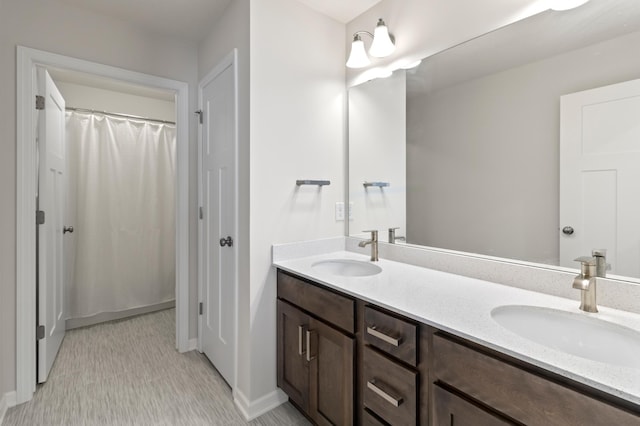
(128, 372)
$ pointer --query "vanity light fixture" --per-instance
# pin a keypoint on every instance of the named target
(382, 45)
(566, 4)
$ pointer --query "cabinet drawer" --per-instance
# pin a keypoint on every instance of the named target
(450, 410)
(325, 304)
(389, 389)
(369, 419)
(522, 395)
(390, 334)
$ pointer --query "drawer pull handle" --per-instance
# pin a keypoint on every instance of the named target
(301, 330)
(390, 340)
(371, 384)
(311, 345)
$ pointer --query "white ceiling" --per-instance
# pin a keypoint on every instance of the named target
(341, 10)
(192, 19)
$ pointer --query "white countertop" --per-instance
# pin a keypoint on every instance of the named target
(462, 306)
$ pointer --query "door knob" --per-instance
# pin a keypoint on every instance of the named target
(226, 242)
(66, 229)
(567, 230)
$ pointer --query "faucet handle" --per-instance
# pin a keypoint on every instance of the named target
(599, 252)
(586, 260)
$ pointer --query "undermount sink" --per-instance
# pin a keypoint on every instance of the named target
(347, 267)
(572, 333)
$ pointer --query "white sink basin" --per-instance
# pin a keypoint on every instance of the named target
(572, 333)
(347, 267)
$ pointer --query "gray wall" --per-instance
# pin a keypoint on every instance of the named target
(59, 28)
(483, 155)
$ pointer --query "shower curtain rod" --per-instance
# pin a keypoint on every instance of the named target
(115, 114)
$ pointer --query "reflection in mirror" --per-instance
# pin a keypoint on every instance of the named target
(501, 134)
(377, 152)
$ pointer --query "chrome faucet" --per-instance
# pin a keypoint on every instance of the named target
(374, 244)
(392, 236)
(590, 269)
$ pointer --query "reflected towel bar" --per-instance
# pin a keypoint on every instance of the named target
(378, 184)
(312, 182)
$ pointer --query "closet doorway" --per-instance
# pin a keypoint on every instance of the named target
(176, 94)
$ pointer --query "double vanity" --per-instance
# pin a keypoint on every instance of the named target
(375, 343)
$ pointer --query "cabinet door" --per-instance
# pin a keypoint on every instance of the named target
(331, 375)
(451, 410)
(293, 368)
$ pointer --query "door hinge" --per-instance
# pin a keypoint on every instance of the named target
(39, 217)
(199, 112)
(200, 308)
(201, 213)
(39, 102)
(40, 332)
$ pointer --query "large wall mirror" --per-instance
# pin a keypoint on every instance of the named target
(521, 144)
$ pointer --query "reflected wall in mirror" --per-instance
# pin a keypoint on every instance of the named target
(484, 131)
(377, 155)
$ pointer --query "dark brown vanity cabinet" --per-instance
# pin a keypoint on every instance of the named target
(473, 385)
(344, 361)
(316, 350)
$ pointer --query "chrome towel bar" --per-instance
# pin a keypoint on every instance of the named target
(312, 182)
(378, 184)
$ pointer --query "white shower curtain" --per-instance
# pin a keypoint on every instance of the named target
(121, 204)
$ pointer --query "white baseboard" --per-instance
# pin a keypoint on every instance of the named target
(193, 344)
(72, 323)
(253, 409)
(8, 400)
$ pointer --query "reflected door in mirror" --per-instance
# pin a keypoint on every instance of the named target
(600, 171)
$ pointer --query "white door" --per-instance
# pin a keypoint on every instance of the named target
(218, 224)
(51, 201)
(600, 176)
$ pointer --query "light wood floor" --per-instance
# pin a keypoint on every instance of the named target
(128, 372)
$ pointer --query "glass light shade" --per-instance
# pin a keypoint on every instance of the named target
(566, 4)
(358, 57)
(382, 44)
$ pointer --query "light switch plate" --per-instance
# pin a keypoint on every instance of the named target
(339, 211)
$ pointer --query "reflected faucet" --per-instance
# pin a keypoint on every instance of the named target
(392, 236)
(590, 269)
(374, 244)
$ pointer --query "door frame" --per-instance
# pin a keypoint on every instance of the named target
(27, 60)
(231, 60)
